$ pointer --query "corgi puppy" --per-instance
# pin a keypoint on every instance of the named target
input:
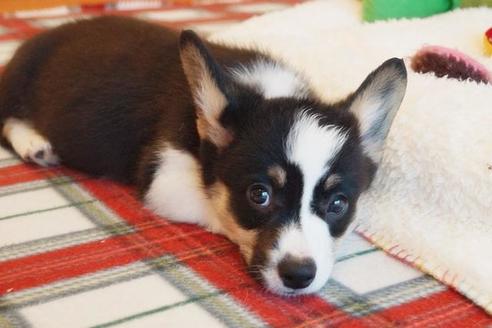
(229, 139)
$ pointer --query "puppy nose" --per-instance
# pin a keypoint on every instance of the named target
(296, 273)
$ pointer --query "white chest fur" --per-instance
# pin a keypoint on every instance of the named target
(177, 191)
(178, 194)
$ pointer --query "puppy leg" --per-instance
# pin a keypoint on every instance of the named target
(28, 143)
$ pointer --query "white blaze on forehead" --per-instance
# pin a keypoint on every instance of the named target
(272, 79)
(311, 147)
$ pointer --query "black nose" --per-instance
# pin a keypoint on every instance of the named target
(296, 273)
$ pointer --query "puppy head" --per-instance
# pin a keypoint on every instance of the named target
(284, 170)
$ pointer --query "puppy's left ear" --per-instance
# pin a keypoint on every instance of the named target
(208, 83)
(376, 103)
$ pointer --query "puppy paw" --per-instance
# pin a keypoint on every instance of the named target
(28, 143)
(39, 151)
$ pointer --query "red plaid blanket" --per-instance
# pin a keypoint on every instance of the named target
(78, 251)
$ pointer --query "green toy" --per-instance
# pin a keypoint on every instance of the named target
(373, 10)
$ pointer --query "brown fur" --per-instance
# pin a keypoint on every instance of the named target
(103, 91)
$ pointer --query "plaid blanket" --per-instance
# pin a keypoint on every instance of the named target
(82, 252)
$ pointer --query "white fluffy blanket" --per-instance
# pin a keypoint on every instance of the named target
(431, 203)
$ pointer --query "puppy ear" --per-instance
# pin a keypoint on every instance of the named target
(207, 82)
(376, 102)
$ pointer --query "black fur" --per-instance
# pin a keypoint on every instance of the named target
(102, 91)
(110, 93)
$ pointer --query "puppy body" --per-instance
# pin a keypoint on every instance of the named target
(104, 91)
(226, 138)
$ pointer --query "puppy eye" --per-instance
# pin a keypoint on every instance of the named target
(337, 206)
(259, 195)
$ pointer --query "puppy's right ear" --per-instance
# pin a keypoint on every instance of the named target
(207, 83)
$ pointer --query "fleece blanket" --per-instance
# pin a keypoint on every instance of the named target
(431, 202)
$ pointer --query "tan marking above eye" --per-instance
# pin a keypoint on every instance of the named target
(278, 174)
(331, 181)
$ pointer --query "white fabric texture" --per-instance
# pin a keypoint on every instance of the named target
(431, 202)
